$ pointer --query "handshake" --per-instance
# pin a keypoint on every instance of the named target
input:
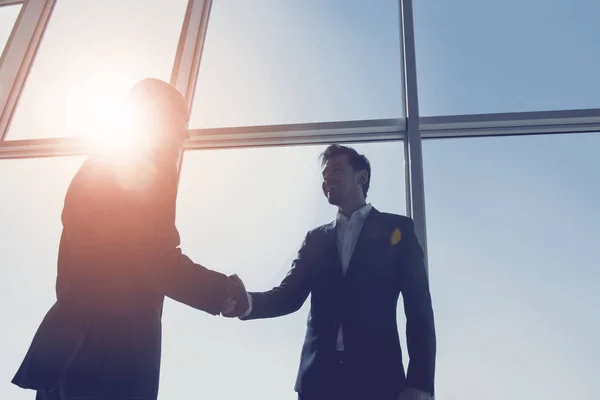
(237, 303)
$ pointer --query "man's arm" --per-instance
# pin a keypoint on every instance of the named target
(420, 328)
(136, 231)
(284, 299)
(163, 267)
(178, 277)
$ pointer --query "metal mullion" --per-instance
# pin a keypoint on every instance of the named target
(191, 44)
(295, 134)
(511, 124)
(274, 131)
(189, 54)
(19, 54)
(413, 153)
(81, 145)
(11, 2)
(39, 148)
(182, 44)
(489, 133)
(320, 138)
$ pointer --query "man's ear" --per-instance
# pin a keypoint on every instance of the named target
(362, 177)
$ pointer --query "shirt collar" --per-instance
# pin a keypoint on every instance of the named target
(361, 213)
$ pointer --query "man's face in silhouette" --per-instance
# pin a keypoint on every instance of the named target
(341, 183)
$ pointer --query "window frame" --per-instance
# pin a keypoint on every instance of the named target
(412, 130)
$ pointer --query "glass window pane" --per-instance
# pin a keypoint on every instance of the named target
(33, 193)
(8, 17)
(487, 56)
(91, 53)
(281, 62)
(246, 212)
(513, 239)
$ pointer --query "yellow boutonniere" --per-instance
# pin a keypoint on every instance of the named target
(396, 237)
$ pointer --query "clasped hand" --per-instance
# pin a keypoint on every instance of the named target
(236, 304)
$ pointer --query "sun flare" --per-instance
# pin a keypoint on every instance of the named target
(101, 113)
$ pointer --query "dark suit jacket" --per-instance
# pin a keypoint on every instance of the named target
(117, 260)
(364, 300)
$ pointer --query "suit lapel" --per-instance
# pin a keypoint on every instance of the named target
(331, 251)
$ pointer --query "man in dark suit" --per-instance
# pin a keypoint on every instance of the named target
(355, 269)
(119, 256)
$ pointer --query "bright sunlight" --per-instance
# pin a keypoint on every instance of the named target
(101, 111)
(98, 108)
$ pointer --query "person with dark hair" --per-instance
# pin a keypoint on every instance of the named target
(118, 258)
(355, 268)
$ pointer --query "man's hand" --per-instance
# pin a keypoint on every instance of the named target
(414, 394)
(228, 306)
(238, 304)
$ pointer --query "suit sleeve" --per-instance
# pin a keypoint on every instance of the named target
(289, 296)
(137, 232)
(420, 327)
(168, 271)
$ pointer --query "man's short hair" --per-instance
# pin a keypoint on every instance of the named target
(358, 161)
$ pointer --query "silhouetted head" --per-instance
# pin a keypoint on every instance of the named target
(160, 115)
(346, 177)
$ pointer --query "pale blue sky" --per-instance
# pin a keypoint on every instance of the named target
(489, 56)
(512, 222)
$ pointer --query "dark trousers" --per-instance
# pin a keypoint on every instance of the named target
(340, 384)
(335, 387)
(55, 395)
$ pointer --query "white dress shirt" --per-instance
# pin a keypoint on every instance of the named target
(348, 230)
